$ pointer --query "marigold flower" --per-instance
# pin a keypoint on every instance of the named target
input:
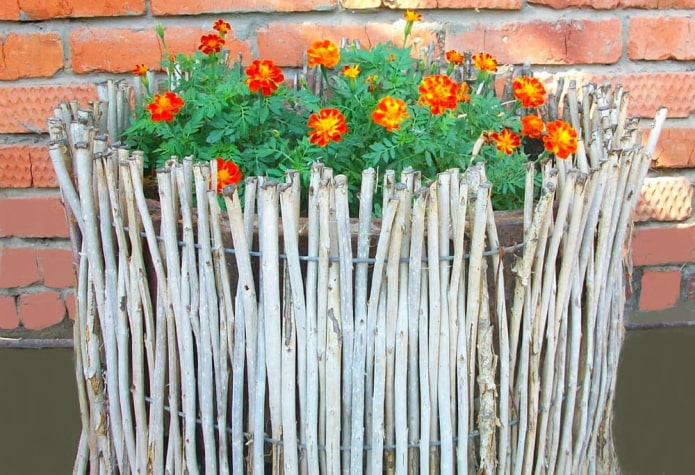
(532, 126)
(164, 106)
(139, 70)
(228, 173)
(222, 27)
(212, 43)
(323, 53)
(529, 91)
(454, 57)
(464, 92)
(390, 112)
(438, 92)
(506, 141)
(485, 62)
(561, 139)
(263, 76)
(351, 70)
(327, 125)
(412, 16)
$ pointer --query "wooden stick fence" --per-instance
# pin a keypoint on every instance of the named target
(247, 339)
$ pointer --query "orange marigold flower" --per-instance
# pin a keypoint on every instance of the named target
(438, 92)
(263, 76)
(327, 125)
(412, 16)
(228, 173)
(506, 141)
(351, 70)
(529, 91)
(323, 53)
(454, 57)
(561, 139)
(164, 106)
(139, 70)
(532, 126)
(390, 112)
(464, 92)
(485, 62)
(212, 43)
(222, 26)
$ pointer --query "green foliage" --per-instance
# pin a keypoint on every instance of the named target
(267, 135)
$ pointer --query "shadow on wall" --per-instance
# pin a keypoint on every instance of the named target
(654, 414)
(654, 411)
(39, 415)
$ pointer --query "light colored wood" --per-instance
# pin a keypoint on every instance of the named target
(306, 349)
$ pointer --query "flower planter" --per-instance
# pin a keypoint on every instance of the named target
(419, 349)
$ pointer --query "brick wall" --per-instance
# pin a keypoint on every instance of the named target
(58, 50)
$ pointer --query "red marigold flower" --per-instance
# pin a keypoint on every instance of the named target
(351, 70)
(438, 92)
(390, 112)
(327, 125)
(561, 139)
(529, 91)
(323, 53)
(263, 76)
(139, 70)
(485, 62)
(212, 43)
(454, 57)
(532, 126)
(412, 16)
(228, 173)
(222, 26)
(164, 106)
(506, 141)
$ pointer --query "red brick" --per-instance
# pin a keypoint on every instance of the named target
(32, 217)
(675, 149)
(195, 7)
(9, 10)
(56, 267)
(40, 310)
(660, 289)
(43, 10)
(665, 198)
(285, 43)
(8, 313)
(562, 4)
(26, 108)
(658, 4)
(30, 55)
(480, 4)
(69, 300)
(610, 4)
(657, 244)
(42, 173)
(118, 50)
(15, 167)
(543, 42)
(18, 267)
(674, 34)
(23, 166)
(649, 91)
(690, 287)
